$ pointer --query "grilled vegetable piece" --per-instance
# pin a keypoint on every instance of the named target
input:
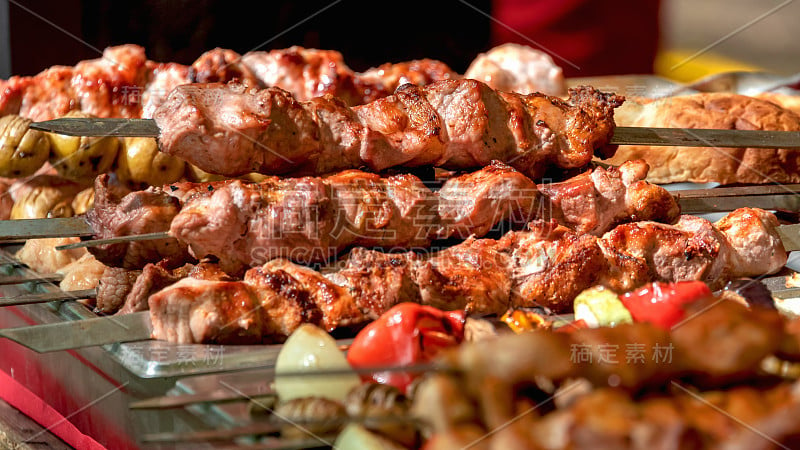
(357, 437)
(310, 416)
(439, 402)
(140, 164)
(382, 401)
(198, 175)
(601, 307)
(309, 349)
(662, 304)
(45, 200)
(22, 150)
(520, 320)
(83, 201)
(407, 334)
(82, 158)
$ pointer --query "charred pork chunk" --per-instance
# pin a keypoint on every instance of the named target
(118, 214)
(233, 130)
(114, 286)
(155, 277)
(96, 87)
(545, 266)
(313, 219)
(308, 73)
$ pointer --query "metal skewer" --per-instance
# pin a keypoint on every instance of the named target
(115, 240)
(47, 297)
(272, 427)
(22, 279)
(686, 137)
(771, 197)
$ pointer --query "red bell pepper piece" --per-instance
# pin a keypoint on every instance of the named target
(662, 304)
(406, 334)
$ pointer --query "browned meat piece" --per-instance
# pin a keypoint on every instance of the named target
(551, 265)
(142, 212)
(305, 219)
(306, 73)
(101, 86)
(696, 249)
(290, 295)
(779, 423)
(291, 218)
(385, 79)
(124, 84)
(729, 342)
(518, 68)
(271, 302)
(153, 278)
(473, 276)
(452, 123)
(193, 310)
(11, 92)
(113, 288)
(220, 66)
(376, 280)
(750, 334)
(790, 347)
(393, 212)
(752, 235)
(595, 201)
(268, 305)
(719, 347)
(47, 95)
(476, 202)
(609, 418)
(162, 79)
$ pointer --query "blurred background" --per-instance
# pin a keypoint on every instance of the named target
(679, 39)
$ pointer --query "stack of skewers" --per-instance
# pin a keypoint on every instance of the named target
(428, 194)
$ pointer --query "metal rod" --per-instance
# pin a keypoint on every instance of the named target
(21, 279)
(115, 240)
(46, 297)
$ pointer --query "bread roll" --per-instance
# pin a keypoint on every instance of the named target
(791, 102)
(701, 165)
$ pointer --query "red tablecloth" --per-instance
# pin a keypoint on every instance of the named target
(37, 409)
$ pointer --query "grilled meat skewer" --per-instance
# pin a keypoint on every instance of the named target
(545, 266)
(490, 378)
(313, 219)
(460, 124)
